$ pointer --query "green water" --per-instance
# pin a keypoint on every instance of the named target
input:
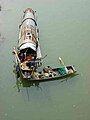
(65, 32)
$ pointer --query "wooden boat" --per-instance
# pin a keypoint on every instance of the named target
(28, 54)
(49, 74)
(54, 74)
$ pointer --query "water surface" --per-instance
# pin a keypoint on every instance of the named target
(65, 32)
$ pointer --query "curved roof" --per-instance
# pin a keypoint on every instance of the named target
(28, 45)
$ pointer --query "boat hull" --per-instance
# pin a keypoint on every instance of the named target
(44, 78)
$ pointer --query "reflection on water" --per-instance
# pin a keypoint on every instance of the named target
(26, 83)
(20, 82)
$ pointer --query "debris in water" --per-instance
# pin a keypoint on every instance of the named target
(74, 106)
(0, 8)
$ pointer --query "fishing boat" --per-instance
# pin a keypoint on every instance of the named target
(49, 74)
(28, 54)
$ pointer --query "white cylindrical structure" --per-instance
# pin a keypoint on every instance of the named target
(27, 33)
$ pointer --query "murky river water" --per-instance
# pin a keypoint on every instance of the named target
(65, 32)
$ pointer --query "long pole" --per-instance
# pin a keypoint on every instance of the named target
(15, 52)
(61, 61)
